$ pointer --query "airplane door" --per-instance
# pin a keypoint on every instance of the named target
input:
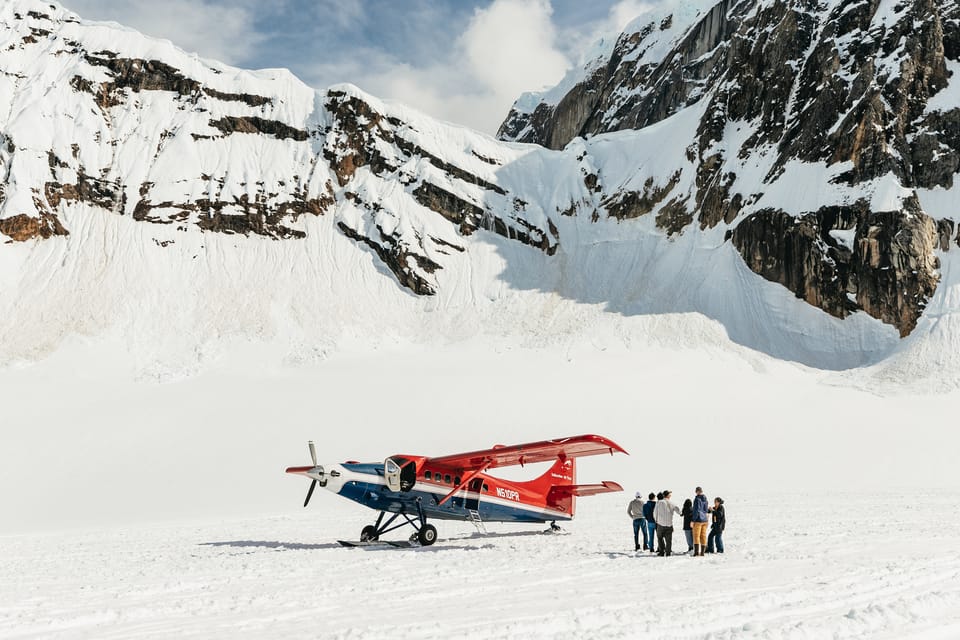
(391, 473)
(472, 503)
(400, 474)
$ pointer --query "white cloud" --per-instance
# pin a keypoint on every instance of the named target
(507, 48)
(511, 47)
(624, 11)
(223, 31)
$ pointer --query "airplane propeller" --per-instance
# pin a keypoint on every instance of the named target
(313, 485)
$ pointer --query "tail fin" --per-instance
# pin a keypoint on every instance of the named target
(563, 473)
(560, 490)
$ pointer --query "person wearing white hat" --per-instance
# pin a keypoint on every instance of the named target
(635, 511)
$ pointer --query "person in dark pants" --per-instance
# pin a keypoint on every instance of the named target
(716, 529)
(635, 511)
(687, 513)
(663, 514)
(651, 524)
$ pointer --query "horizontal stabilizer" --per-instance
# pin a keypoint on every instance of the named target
(558, 492)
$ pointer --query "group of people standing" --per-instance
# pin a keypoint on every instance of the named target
(654, 519)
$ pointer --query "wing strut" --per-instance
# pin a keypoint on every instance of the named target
(470, 476)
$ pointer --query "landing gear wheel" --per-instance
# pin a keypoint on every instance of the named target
(427, 535)
(369, 534)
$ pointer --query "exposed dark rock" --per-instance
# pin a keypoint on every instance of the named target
(139, 75)
(674, 216)
(798, 253)
(23, 227)
(260, 216)
(254, 124)
(246, 98)
(356, 147)
(397, 261)
(99, 193)
(944, 233)
(608, 99)
(633, 204)
(890, 273)
(467, 216)
(455, 171)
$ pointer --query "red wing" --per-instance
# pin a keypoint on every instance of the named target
(532, 452)
(562, 491)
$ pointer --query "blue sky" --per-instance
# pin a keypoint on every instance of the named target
(464, 61)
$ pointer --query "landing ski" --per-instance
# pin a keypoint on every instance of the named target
(398, 544)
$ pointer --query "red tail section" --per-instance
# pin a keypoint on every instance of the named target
(563, 473)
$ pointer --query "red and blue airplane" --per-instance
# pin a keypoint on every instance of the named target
(457, 487)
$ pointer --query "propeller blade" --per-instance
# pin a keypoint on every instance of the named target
(313, 452)
(313, 485)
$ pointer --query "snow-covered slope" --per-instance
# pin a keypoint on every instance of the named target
(819, 139)
(176, 204)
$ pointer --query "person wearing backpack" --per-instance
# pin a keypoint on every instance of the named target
(719, 524)
(635, 511)
(699, 522)
(651, 524)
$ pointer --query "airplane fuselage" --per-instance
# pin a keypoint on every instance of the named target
(492, 499)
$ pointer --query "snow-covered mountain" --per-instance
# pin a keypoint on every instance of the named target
(784, 168)
(821, 136)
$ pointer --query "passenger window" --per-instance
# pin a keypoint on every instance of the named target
(426, 475)
(485, 488)
(446, 478)
(456, 480)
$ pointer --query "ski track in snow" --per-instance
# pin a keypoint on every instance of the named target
(797, 566)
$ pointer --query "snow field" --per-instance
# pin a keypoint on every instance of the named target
(840, 565)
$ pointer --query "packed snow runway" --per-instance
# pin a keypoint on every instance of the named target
(137, 509)
(796, 566)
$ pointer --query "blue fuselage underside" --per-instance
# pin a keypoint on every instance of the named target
(377, 496)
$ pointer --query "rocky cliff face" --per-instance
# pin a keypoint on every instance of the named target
(824, 133)
(817, 140)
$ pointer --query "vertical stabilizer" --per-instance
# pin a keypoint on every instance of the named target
(563, 473)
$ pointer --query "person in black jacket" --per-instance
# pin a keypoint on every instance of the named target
(648, 508)
(686, 512)
(716, 529)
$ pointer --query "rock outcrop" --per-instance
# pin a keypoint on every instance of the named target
(850, 98)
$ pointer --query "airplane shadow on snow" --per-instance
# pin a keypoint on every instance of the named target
(272, 544)
(302, 546)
